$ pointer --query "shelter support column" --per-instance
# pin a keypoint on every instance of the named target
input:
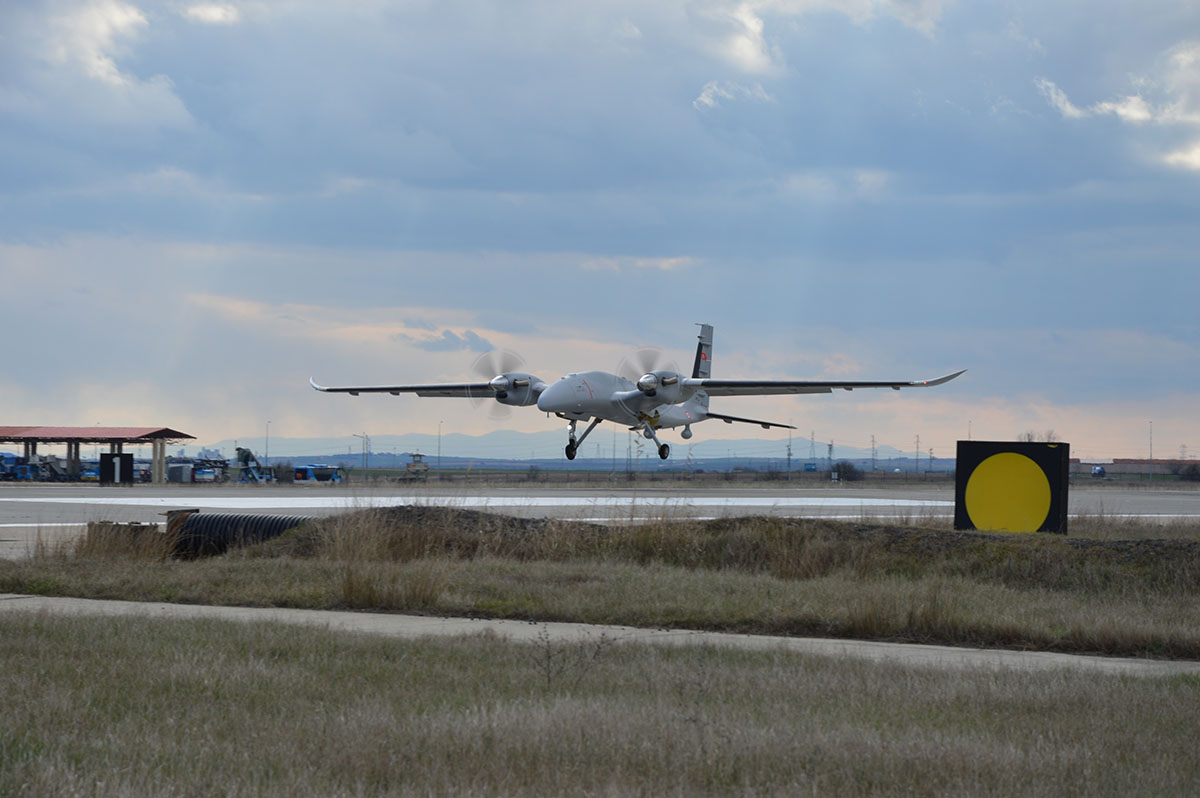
(158, 462)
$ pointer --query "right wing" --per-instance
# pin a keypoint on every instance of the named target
(731, 419)
(765, 387)
(462, 390)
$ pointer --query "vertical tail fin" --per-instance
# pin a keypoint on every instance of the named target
(703, 366)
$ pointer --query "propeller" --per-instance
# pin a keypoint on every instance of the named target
(639, 363)
(643, 361)
(489, 366)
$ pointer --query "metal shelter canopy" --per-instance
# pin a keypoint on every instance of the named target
(110, 435)
(116, 438)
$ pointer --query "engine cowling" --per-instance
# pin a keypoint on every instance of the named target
(662, 384)
(516, 388)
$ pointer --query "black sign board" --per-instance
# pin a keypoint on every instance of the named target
(116, 469)
(1011, 487)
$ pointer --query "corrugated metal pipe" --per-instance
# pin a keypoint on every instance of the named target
(206, 535)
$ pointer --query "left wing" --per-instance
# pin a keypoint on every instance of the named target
(764, 387)
(463, 390)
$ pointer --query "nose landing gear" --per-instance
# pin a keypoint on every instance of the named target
(572, 443)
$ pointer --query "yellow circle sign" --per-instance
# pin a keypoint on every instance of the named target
(1008, 492)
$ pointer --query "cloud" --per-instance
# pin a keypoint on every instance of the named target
(1130, 109)
(68, 68)
(1178, 105)
(737, 30)
(1058, 99)
(714, 92)
(745, 47)
(827, 186)
(212, 14)
(449, 341)
(1186, 158)
(91, 35)
(633, 264)
(1016, 32)
(920, 15)
(162, 183)
(628, 31)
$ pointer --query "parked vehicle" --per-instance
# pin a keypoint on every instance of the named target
(317, 474)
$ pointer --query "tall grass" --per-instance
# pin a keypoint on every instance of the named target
(758, 575)
(780, 547)
(120, 541)
(145, 707)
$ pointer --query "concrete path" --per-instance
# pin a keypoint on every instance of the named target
(412, 626)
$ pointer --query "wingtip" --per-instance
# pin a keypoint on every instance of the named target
(313, 383)
(948, 377)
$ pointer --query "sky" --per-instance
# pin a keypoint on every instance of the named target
(204, 204)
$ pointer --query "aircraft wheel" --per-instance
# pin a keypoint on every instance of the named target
(664, 451)
(570, 452)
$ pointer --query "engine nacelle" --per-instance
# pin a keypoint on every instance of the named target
(516, 388)
(662, 384)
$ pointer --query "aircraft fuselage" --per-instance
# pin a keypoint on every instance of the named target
(599, 394)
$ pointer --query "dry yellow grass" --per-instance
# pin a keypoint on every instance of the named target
(756, 575)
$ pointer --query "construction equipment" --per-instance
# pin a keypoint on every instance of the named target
(250, 471)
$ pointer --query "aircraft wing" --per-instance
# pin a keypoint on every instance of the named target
(764, 387)
(763, 424)
(463, 390)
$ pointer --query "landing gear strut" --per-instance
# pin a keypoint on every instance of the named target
(664, 451)
(572, 444)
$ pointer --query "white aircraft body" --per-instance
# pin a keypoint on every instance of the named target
(659, 399)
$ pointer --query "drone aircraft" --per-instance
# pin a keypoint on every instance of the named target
(660, 398)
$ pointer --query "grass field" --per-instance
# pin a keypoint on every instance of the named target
(1119, 591)
(145, 707)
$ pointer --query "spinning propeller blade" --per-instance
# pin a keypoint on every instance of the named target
(492, 364)
(643, 361)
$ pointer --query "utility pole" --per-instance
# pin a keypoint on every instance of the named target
(917, 467)
(267, 448)
(872, 452)
(1151, 451)
(829, 459)
(366, 445)
(789, 459)
(439, 446)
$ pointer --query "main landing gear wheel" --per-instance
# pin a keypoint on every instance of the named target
(570, 451)
(664, 451)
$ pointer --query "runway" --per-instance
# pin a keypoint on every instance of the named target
(54, 512)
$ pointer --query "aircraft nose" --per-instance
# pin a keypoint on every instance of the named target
(556, 397)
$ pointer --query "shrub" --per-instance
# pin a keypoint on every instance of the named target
(847, 471)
